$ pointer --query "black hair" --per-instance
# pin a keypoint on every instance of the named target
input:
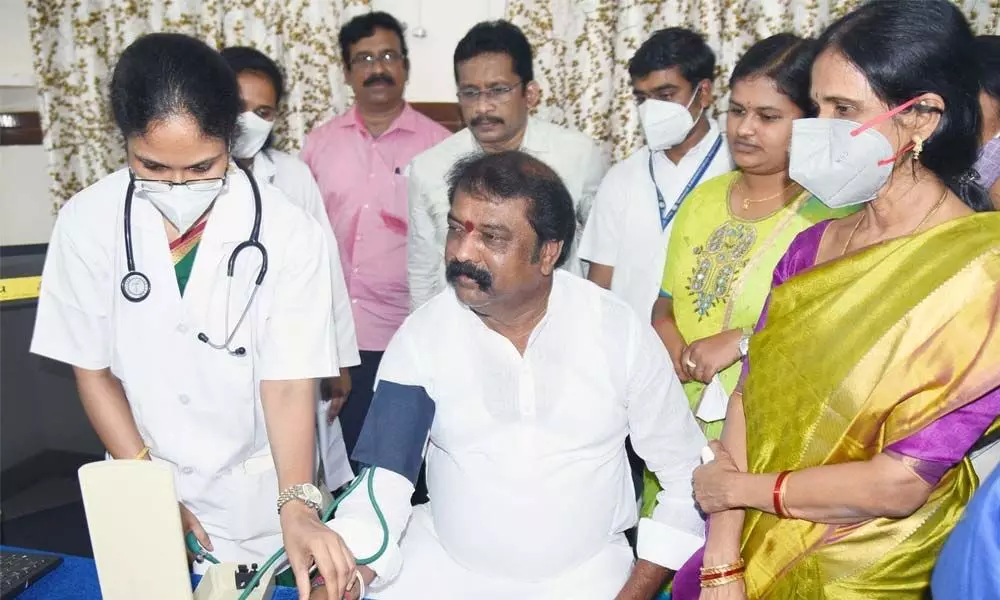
(515, 174)
(785, 59)
(674, 47)
(988, 53)
(161, 75)
(244, 58)
(497, 37)
(906, 48)
(363, 26)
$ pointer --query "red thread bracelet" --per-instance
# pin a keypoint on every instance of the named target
(778, 495)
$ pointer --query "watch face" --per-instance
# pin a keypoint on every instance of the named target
(312, 494)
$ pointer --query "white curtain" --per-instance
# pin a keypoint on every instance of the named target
(77, 42)
(582, 48)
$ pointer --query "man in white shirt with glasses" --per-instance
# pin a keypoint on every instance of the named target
(496, 89)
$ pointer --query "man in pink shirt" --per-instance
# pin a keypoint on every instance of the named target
(359, 159)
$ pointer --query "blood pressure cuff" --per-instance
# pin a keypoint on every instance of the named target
(396, 429)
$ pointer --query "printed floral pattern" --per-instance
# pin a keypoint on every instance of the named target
(581, 47)
(76, 44)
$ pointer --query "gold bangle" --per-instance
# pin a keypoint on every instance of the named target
(723, 581)
(739, 564)
(143, 454)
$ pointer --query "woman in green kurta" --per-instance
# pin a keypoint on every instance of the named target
(732, 230)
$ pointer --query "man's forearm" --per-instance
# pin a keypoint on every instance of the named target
(645, 582)
(290, 416)
(109, 413)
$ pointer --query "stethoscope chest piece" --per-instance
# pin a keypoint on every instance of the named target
(135, 286)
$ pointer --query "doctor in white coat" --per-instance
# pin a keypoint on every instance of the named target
(261, 89)
(175, 360)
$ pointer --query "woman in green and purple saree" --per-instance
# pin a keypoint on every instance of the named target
(876, 363)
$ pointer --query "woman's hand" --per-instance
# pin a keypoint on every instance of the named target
(731, 591)
(713, 482)
(308, 541)
(190, 523)
(706, 357)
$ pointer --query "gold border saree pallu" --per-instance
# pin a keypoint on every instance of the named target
(858, 354)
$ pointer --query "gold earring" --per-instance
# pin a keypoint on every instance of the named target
(918, 147)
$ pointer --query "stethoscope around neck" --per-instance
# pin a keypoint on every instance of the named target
(135, 285)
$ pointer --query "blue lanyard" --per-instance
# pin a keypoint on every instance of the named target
(667, 216)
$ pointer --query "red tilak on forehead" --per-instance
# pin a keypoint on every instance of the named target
(469, 227)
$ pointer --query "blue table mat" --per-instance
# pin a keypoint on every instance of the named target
(76, 579)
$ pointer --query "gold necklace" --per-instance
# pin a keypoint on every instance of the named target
(746, 198)
(933, 210)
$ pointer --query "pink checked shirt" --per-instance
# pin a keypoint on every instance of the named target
(364, 187)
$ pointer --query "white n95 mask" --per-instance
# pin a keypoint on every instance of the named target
(841, 162)
(666, 124)
(181, 204)
(252, 132)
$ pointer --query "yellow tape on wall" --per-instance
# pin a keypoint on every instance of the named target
(19, 288)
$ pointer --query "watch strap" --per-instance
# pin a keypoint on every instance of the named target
(295, 492)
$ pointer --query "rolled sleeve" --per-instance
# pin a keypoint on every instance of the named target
(74, 304)
(298, 339)
(667, 546)
(665, 435)
(358, 524)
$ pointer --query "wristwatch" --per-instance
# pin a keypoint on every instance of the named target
(744, 345)
(306, 493)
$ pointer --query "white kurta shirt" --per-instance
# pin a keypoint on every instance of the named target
(572, 155)
(526, 464)
(624, 230)
(197, 408)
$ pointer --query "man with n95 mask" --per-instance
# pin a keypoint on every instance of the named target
(195, 309)
(521, 382)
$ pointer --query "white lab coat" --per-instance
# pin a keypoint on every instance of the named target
(296, 182)
(199, 409)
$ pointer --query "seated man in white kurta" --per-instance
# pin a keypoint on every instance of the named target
(521, 382)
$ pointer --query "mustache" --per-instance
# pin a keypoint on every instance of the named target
(482, 119)
(482, 277)
(379, 78)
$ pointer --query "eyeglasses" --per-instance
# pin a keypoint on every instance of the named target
(367, 61)
(195, 185)
(497, 93)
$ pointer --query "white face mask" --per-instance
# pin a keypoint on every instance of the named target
(841, 162)
(253, 131)
(182, 205)
(666, 124)
(838, 168)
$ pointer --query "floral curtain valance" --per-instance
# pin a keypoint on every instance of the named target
(583, 46)
(76, 44)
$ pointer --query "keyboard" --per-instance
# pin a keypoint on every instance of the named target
(19, 570)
